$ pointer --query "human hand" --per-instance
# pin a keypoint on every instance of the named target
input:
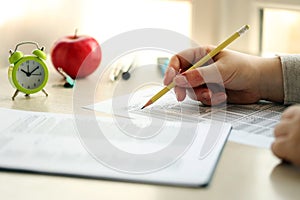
(287, 136)
(231, 76)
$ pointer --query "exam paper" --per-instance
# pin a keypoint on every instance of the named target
(252, 124)
(50, 143)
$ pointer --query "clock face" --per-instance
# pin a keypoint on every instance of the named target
(30, 74)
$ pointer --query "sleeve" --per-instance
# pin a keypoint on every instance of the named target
(291, 78)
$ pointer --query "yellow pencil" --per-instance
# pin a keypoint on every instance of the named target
(200, 62)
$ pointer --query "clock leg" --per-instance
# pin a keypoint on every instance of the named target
(44, 91)
(15, 94)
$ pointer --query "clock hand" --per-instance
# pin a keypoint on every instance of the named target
(24, 71)
(33, 70)
(27, 74)
(37, 74)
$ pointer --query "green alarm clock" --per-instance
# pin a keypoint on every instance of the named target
(28, 73)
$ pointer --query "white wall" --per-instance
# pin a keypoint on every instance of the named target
(40, 21)
(214, 20)
(45, 21)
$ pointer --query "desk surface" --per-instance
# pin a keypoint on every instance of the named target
(243, 172)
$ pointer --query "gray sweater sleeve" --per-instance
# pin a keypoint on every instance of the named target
(291, 78)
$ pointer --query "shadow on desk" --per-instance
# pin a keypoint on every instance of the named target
(282, 177)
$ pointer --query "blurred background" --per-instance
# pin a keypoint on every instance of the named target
(274, 23)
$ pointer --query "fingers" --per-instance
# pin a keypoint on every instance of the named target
(287, 136)
(188, 79)
(175, 65)
(184, 60)
(207, 95)
(201, 93)
(169, 75)
(215, 99)
(199, 76)
(290, 112)
(281, 129)
(287, 148)
(212, 95)
(195, 77)
(281, 148)
(180, 93)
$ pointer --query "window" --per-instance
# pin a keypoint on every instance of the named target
(280, 31)
(225, 16)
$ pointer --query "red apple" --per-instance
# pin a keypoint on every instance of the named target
(78, 56)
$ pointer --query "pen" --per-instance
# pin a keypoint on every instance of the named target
(127, 68)
(200, 62)
(116, 71)
(69, 81)
(122, 67)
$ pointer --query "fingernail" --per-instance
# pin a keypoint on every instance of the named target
(180, 80)
(218, 98)
(177, 97)
(169, 75)
(206, 95)
(170, 72)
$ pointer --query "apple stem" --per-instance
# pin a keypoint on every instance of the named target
(75, 34)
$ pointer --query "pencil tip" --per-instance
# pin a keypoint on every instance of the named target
(147, 104)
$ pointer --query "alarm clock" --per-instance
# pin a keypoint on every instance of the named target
(28, 73)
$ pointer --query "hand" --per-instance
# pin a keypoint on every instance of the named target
(27, 74)
(34, 70)
(287, 136)
(231, 76)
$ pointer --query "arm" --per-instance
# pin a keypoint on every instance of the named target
(287, 133)
(291, 78)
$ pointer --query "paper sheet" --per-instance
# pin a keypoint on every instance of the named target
(50, 143)
(252, 124)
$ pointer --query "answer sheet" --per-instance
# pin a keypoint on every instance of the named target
(50, 143)
(252, 124)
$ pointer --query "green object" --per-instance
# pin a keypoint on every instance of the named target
(39, 53)
(29, 73)
(15, 57)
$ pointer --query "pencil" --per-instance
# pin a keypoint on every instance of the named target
(200, 62)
